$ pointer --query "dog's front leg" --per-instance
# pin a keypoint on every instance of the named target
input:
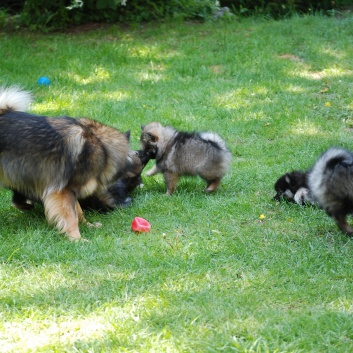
(171, 180)
(154, 170)
(61, 210)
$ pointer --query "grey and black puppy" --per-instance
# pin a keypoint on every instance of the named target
(331, 184)
(179, 153)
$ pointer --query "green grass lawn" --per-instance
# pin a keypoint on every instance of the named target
(212, 275)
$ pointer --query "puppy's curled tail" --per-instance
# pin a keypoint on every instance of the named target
(14, 98)
(214, 139)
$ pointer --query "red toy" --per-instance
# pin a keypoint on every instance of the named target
(140, 225)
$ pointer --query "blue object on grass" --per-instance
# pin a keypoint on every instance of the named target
(43, 81)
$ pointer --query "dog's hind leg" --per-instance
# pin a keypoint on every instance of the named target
(21, 202)
(341, 221)
(61, 209)
(212, 185)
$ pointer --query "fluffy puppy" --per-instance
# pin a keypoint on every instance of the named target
(293, 187)
(56, 160)
(331, 184)
(179, 153)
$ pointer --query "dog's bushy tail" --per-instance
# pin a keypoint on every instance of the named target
(214, 139)
(14, 98)
(342, 157)
(335, 158)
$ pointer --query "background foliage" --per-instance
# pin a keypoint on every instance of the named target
(280, 8)
(58, 14)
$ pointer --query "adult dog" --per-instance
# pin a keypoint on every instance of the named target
(57, 160)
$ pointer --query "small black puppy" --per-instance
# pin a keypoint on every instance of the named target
(117, 195)
(294, 187)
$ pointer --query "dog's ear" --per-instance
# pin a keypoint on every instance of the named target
(150, 137)
(142, 127)
(127, 134)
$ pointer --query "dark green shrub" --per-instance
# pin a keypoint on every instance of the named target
(12, 6)
(41, 14)
(62, 13)
(146, 10)
(281, 8)
(57, 14)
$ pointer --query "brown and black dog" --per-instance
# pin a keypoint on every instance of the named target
(57, 161)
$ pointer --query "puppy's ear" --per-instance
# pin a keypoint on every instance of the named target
(142, 127)
(150, 137)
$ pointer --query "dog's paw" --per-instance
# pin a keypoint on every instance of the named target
(154, 170)
(302, 196)
(78, 240)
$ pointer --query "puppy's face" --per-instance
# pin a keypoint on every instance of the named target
(282, 187)
(137, 160)
(150, 136)
(288, 184)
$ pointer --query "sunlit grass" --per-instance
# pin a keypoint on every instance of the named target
(305, 128)
(229, 272)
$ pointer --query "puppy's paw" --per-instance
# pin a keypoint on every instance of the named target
(94, 225)
(78, 240)
(154, 170)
